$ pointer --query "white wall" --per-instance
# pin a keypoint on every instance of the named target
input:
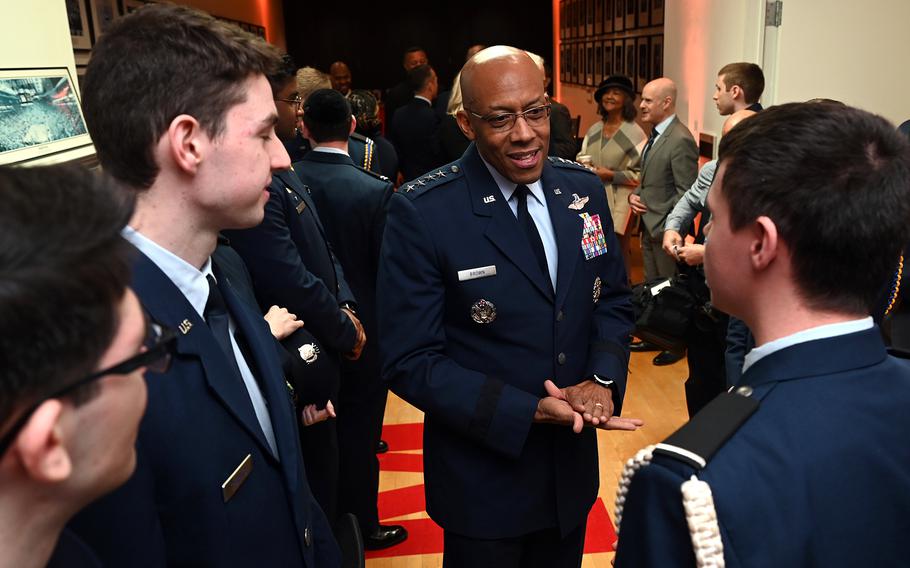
(36, 34)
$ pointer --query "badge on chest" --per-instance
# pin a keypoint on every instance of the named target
(593, 242)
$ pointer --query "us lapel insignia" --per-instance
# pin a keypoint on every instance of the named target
(185, 326)
(557, 191)
(597, 289)
(489, 199)
(309, 352)
(483, 312)
(578, 203)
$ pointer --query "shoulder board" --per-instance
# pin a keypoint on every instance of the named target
(372, 173)
(429, 180)
(569, 164)
(358, 136)
(700, 438)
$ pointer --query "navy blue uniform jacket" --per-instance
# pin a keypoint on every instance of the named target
(819, 475)
(490, 472)
(198, 428)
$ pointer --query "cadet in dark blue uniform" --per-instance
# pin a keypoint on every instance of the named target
(806, 463)
(482, 299)
(352, 203)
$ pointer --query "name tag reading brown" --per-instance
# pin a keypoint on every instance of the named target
(236, 479)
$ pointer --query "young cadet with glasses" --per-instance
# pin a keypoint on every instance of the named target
(220, 480)
(74, 344)
(504, 315)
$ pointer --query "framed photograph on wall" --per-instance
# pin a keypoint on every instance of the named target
(642, 63)
(104, 14)
(589, 16)
(589, 63)
(40, 114)
(630, 58)
(580, 7)
(573, 68)
(657, 56)
(618, 60)
(599, 16)
(631, 12)
(608, 15)
(78, 20)
(598, 62)
(608, 58)
(619, 15)
(657, 12)
(644, 12)
(562, 19)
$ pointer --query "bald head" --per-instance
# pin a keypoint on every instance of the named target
(483, 67)
(735, 119)
(340, 75)
(658, 100)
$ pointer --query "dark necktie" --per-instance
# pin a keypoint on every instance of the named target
(651, 139)
(216, 315)
(527, 223)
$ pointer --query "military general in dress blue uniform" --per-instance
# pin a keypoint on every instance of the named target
(805, 462)
(505, 317)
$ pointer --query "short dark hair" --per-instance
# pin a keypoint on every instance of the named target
(327, 116)
(65, 268)
(748, 76)
(836, 182)
(413, 49)
(418, 77)
(284, 74)
(155, 64)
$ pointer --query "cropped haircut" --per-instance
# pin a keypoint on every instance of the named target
(748, 76)
(285, 73)
(310, 79)
(835, 181)
(64, 268)
(156, 64)
(327, 116)
(419, 78)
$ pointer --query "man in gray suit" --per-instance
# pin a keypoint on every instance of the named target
(669, 167)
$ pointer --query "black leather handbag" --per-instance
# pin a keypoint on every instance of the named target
(666, 309)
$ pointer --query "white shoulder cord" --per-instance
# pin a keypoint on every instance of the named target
(698, 503)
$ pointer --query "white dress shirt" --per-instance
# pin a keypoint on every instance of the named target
(811, 334)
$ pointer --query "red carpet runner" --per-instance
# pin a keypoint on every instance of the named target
(425, 535)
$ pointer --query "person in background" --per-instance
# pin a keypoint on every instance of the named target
(366, 115)
(612, 147)
(452, 141)
(74, 344)
(340, 75)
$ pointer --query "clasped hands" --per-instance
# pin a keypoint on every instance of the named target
(361, 337)
(585, 404)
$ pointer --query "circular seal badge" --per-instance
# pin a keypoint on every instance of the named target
(309, 352)
(597, 288)
(483, 311)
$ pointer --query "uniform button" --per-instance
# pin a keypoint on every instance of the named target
(745, 390)
(307, 539)
(561, 358)
(560, 316)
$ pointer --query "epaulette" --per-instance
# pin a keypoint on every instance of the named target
(368, 149)
(432, 179)
(372, 173)
(570, 164)
(696, 442)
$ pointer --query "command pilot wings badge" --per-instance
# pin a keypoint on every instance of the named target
(578, 203)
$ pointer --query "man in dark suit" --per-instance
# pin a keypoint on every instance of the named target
(779, 472)
(293, 266)
(219, 478)
(415, 124)
(352, 203)
(669, 167)
(399, 95)
(75, 345)
(504, 315)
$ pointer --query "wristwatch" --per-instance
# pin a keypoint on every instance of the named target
(349, 306)
(604, 382)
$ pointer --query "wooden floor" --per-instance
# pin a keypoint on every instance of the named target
(654, 394)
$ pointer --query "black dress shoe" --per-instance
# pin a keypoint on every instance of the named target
(667, 358)
(382, 447)
(642, 346)
(384, 537)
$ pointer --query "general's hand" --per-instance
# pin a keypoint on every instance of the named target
(311, 416)
(552, 410)
(638, 206)
(672, 241)
(591, 400)
(692, 254)
(281, 322)
(354, 353)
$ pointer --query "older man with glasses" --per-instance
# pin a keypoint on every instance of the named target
(504, 316)
(74, 344)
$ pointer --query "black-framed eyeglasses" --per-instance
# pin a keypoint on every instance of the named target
(158, 348)
(297, 101)
(503, 121)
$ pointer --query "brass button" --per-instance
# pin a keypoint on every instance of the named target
(744, 390)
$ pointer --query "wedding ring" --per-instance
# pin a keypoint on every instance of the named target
(598, 404)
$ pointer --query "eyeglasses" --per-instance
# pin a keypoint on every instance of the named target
(297, 101)
(502, 121)
(158, 348)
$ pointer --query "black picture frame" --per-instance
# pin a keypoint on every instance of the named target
(619, 15)
(619, 62)
(598, 62)
(631, 12)
(608, 59)
(608, 16)
(642, 63)
(589, 63)
(77, 15)
(629, 49)
(599, 16)
(644, 13)
(657, 12)
(657, 56)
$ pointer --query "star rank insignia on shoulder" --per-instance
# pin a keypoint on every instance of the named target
(569, 164)
(431, 179)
